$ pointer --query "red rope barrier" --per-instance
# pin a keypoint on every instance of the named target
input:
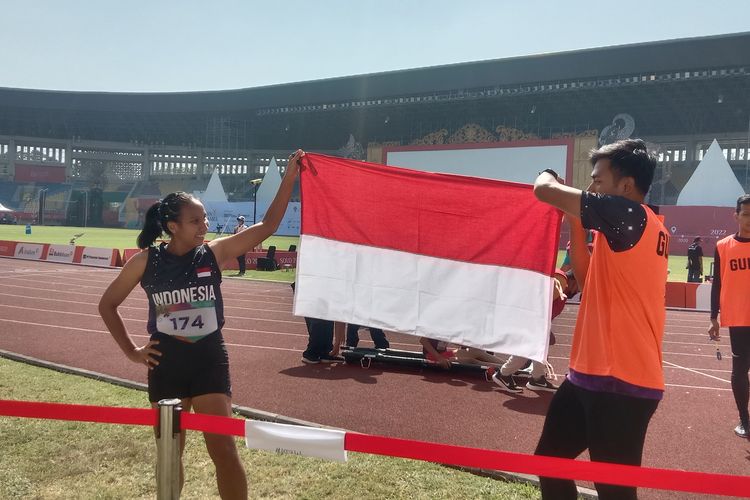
(628, 475)
(643, 477)
(212, 423)
(82, 413)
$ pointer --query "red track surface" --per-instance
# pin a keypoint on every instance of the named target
(49, 311)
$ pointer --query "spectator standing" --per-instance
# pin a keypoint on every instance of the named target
(241, 259)
(730, 300)
(695, 261)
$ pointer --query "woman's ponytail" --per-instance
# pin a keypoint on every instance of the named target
(152, 228)
(160, 214)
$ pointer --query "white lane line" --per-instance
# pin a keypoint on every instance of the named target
(673, 365)
(700, 387)
(54, 327)
(715, 370)
(247, 345)
(297, 322)
(142, 308)
(89, 330)
(74, 313)
(228, 297)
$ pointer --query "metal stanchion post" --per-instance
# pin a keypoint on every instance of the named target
(168, 450)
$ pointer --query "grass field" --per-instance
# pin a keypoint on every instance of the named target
(61, 460)
(125, 238)
(101, 237)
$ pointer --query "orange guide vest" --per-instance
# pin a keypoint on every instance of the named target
(734, 300)
(621, 318)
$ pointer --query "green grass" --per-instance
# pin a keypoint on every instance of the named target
(101, 237)
(59, 460)
(676, 265)
(285, 276)
(125, 238)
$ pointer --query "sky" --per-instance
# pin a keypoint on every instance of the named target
(191, 45)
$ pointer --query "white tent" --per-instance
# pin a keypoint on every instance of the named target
(220, 211)
(3, 208)
(290, 224)
(269, 186)
(214, 191)
(713, 184)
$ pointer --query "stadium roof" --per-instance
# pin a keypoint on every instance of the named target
(575, 86)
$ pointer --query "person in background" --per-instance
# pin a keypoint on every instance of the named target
(377, 335)
(730, 300)
(443, 354)
(241, 260)
(186, 355)
(615, 380)
(695, 261)
(324, 339)
(565, 286)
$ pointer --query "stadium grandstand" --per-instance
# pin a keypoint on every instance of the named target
(96, 158)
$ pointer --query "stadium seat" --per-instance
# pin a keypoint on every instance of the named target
(268, 263)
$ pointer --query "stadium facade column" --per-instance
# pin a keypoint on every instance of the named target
(581, 166)
(12, 155)
(68, 161)
(200, 172)
(146, 163)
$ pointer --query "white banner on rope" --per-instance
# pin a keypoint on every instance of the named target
(295, 440)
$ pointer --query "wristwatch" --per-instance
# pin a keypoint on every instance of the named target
(551, 172)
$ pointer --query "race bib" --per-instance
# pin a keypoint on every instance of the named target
(193, 319)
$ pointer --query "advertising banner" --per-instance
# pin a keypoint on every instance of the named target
(224, 213)
(290, 224)
(101, 257)
(40, 173)
(283, 259)
(61, 253)
(29, 251)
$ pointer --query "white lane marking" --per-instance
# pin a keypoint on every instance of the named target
(297, 322)
(143, 301)
(691, 370)
(89, 330)
(228, 297)
(700, 387)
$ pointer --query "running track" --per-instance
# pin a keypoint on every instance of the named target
(49, 311)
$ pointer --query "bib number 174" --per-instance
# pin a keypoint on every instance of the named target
(180, 323)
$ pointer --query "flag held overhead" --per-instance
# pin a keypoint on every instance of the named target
(455, 258)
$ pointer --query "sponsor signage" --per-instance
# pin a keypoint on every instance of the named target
(61, 253)
(102, 257)
(40, 173)
(282, 258)
(29, 251)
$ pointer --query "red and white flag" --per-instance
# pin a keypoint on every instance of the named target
(454, 258)
(203, 272)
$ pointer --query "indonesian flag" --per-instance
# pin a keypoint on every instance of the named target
(204, 272)
(460, 259)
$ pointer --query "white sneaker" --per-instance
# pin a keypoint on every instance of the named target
(741, 431)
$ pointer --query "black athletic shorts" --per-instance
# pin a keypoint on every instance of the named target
(189, 369)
